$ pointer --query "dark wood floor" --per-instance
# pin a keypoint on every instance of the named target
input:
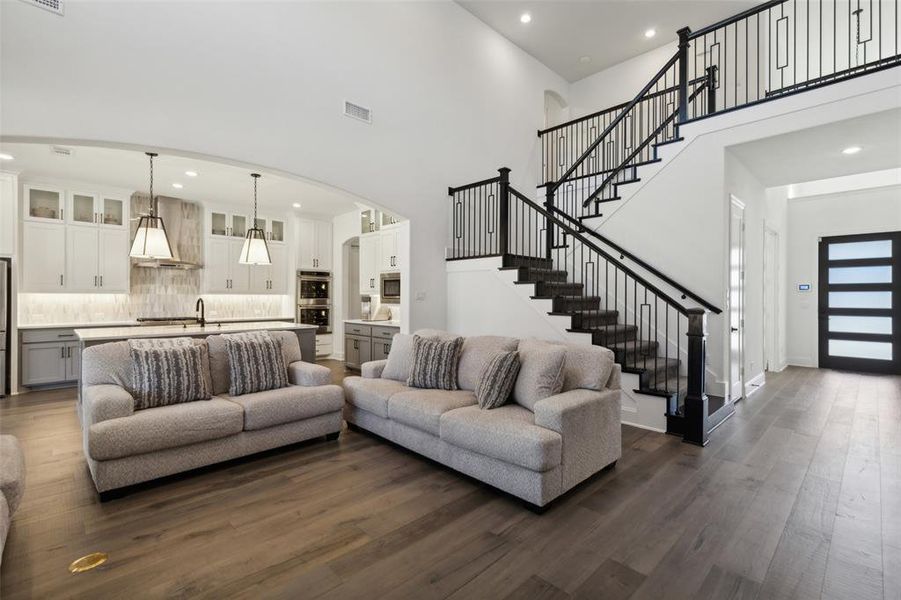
(797, 496)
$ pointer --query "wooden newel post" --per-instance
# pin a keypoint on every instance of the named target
(695, 412)
(549, 227)
(503, 214)
(683, 73)
(711, 89)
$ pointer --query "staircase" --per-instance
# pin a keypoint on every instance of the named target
(656, 326)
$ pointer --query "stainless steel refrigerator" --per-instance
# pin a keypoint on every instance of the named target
(4, 322)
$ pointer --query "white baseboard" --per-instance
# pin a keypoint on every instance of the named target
(801, 361)
(754, 384)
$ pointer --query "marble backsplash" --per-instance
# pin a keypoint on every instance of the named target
(154, 293)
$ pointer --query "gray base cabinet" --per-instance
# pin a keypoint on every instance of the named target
(363, 343)
(49, 357)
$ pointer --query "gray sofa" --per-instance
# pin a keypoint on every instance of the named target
(536, 455)
(124, 447)
(12, 483)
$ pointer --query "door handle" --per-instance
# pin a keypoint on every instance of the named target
(734, 329)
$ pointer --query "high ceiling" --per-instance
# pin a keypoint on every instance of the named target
(215, 182)
(816, 153)
(561, 32)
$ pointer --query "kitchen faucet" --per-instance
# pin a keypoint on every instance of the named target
(200, 308)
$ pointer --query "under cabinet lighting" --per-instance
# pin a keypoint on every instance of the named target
(525, 18)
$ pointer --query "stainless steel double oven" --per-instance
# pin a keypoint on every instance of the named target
(314, 299)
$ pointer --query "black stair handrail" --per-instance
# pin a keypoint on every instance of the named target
(552, 188)
(686, 293)
(589, 244)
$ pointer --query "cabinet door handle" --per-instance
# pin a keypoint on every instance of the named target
(60, 279)
(101, 281)
(95, 281)
(62, 352)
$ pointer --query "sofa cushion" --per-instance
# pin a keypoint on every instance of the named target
(400, 359)
(219, 365)
(165, 427)
(107, 364)
(255, 363)
(497, 380)
(422, 409)
(12, 471)
(586, 367)
(540, 372)
(435, 363)
(168, 371)
(372, 394)
(507, 433)
(287, 405)
(477, 351)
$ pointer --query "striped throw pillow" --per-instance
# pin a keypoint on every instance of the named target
(255, 363)
(435, 363)
(168, 371)
(497, 380)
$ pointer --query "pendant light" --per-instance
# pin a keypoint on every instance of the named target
(255, 250)
(151, 241)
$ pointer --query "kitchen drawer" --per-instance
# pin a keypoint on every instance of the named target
(385, 333)
(32, 336)
(354, 329)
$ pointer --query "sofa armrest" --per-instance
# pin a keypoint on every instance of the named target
(105, 401)
(614, 382)
(373, 369)
(589, 423)
(308, 374)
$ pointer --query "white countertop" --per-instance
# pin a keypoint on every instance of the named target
(376, 323)
(136, 324)
(100, 334)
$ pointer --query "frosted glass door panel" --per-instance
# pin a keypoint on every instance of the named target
(83, 208)
(880, 274)
(45, 204)
(860, 299)
(113, 212)
(856, 349)
(845, 324)
(854, 250)
(239, 226)
(218, 224)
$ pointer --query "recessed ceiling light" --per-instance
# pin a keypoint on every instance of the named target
(584, 59)
(650, 33)
(525, 18)
(5, 156)
(191, 173)
(852, 150)
(296, 205)
(177, 186)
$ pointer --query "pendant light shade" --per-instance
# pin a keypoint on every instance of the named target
(255, 250)
(151, 241)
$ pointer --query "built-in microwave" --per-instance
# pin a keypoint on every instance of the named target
(390, 287)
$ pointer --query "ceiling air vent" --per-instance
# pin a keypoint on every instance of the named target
(61, 151)
(355, 111)
(54, 6)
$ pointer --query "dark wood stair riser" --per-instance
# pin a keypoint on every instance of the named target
(627, 352)
(513, 260)
(555, 288)
(534, 275)
(575, 303)
(591, 319)
(613, 334)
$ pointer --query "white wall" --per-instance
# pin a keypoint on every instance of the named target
(263, 84)
(809, 218)
(344, 227)
(617, 84)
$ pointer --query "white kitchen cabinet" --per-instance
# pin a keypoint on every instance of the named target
(273, 278)
(324, 345)
(227, 225)
(314, 245)
(216, 268)
(239, 276)
(112, 269)
(44, 203)
(369, 263)
(8, 201)
(82, 259)
(43, 257)
(388, 245)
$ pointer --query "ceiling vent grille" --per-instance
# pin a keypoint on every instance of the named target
(54, 6)
(355, 111)
(61, 151)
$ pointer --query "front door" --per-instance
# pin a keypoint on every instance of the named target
(860, 302)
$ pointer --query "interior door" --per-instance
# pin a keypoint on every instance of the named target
(736, 298)
(860, 302)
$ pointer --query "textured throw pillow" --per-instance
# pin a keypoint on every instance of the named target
(256, 363)
(497, 380)
(540, 373)
(435, 363)
(168, 371)
(400, 359)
